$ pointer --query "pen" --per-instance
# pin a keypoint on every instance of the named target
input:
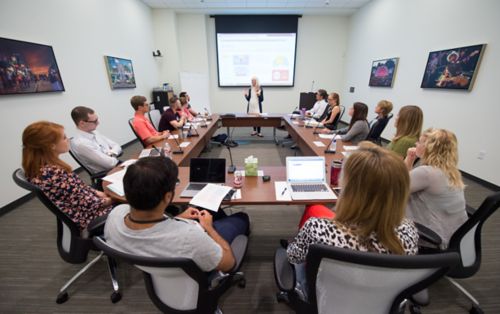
(284, 190)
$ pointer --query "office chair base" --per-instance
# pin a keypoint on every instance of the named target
(116, 297)
(475, 309)
(282, 296)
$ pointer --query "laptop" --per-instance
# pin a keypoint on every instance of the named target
(305, 177)
(203, 171)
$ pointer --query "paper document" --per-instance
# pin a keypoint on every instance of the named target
(350, 148)
(172, 136)
(236, 195)
(326, 136)
(281, 190)
(127, 163)
(115, 177)
(184, 144)
(319, 144)
(260, 173)
(145, 152)
(295, 122)
(117, 187)
(210, 197)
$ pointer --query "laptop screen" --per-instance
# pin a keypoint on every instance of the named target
(305, 169)
(211, 170)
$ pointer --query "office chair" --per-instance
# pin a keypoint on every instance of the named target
(72, 244)
(341, 113)
(154, 117)
(466, 241)
(178, 285)
(131, 124)
(377, 129)
(95, 177)
(341, 280)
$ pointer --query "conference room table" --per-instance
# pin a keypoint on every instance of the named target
(274, 120)
(254, 190)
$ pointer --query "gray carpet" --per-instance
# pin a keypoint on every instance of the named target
(31, 271)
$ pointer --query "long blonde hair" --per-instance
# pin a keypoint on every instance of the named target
(257, 84)
(410, 120)
(38, 140)
(373, 199)
(441, 151)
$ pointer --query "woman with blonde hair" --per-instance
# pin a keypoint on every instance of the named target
(366, 219)
(255, 97)
(332, 112)
(437, 191)
(408, 125)
(43, 142)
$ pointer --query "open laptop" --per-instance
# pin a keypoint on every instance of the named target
(305, 177)
(203, 171)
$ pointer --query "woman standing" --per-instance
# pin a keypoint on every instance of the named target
(43, 142)
(255, 97)
(408, 128)
(437, 191)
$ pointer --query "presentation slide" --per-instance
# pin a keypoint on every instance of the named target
(270, 57)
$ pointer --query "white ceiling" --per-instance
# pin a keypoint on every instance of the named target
(332, 7)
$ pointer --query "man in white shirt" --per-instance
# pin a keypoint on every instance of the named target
(320, 105)
(97, 152)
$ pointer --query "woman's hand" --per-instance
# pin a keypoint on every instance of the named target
(258, 92)
(107, 201)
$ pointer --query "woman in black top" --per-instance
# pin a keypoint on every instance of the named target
(333, 112)
(377, 125)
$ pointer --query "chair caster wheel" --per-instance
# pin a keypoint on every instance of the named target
(242, 283)
(415, 309)
(115, 297)
(475, 310)
(62, 297)
(282, 297)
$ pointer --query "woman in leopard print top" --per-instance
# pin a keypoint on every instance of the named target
(370, 211)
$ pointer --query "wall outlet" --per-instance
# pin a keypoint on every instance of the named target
(481, 155)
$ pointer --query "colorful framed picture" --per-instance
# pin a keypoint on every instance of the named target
(120, 72)
(383, 72)
(453, 68)
(27, 68)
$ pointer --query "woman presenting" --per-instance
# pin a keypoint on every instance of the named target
(255, 97)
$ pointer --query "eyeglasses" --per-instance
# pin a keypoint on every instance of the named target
(95, 121)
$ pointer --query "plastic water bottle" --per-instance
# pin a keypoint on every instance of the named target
(333, 145)
(167, 149)
(303, 113)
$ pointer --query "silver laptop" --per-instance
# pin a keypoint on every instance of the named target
(203, 171)
(305, 177)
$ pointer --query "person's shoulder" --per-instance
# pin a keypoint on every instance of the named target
(407, 140)
(119, 211)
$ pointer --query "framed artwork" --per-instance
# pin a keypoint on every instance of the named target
(120, 72)
(383, 72)
(453, 68)
(27, 68)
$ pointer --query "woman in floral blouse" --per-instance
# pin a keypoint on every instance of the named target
(367, 219)
(43, 142)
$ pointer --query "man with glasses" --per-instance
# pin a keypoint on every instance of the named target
(96, 151)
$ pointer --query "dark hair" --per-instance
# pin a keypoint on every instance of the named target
(146, 181)
(80, 113)
(137, 101)
(173, 100)
(183, 94)
(323, 93)
(360, 113)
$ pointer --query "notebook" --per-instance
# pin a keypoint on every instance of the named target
(305, 177)
(203, 171)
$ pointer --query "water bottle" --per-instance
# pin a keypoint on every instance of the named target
(167, 149)
(303, 113)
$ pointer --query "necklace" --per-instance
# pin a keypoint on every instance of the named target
(146, 221)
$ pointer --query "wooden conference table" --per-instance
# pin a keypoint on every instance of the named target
(254, 191)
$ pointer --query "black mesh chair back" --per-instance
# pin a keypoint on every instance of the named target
(341, 113)
(73, 247)
(175, 285)
(377, 128)
(379, 282)
(131, 124)
(466, 240)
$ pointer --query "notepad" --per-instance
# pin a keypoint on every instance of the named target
(210, 197)
(319, 144)
(184, 144)
(279, 187)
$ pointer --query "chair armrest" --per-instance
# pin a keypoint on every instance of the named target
(428, 235)
(470, 210)
(284, 272)
(96, 226)
(99, 175)
(239, 248)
